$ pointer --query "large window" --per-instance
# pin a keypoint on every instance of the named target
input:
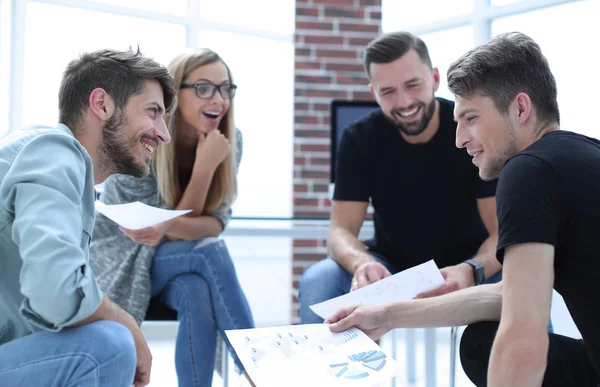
(451, 29)
(571, 53)
(39, 38)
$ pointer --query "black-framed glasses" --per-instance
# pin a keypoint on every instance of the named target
(208, 90)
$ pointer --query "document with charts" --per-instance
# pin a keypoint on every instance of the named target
(311, 355)
(398, 287)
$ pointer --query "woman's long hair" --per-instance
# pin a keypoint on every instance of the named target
(223, 187)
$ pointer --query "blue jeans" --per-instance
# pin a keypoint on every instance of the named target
(326, 279)
(199, 281)
(98, 354)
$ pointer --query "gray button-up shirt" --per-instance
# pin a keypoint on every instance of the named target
(46, 221)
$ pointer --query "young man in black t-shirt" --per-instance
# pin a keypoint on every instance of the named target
(428, 200)
(549, 216)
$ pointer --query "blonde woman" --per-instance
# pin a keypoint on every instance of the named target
(181, 262)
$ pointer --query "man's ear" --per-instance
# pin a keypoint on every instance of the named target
(436, 79)
(101, 104)
(523, 107)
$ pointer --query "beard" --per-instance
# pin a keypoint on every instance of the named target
(417, 127)
(492, 168)
(117, 153)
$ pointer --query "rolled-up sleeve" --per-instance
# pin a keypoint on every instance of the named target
(44, 189)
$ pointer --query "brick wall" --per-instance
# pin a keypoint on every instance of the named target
(329, 41)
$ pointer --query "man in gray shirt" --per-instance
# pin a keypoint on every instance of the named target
(56, 326)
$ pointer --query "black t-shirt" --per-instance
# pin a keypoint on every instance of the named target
(424, 196)
(550, 193)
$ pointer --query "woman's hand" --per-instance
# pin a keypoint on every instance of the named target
(212, 149)
(150, 236)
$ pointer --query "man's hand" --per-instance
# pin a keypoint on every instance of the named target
(212, 149)
(367, 273)
(144, 358)
(143, 355)
(456, 277)
(372, 320)
(148, 236)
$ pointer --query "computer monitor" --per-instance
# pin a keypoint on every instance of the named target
(344, 113)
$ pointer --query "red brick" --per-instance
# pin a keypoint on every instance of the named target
(307, 11)
(314, 175)
(306, 120)
(335, 2)
(358, 81)
(300, 187)
(314, 148)
(370, 2)
(321, 93)
(324, 53)
(313, 78)
(359, 27)
(356, 41)
(323, 39)
(306, 202)
(308, 257)
(319, 161)
(308, 65)
(375, 15)
(356, 67)
(306, 25)
(312, 214)
(311, 133)
(320, 187)
(305, 243)
(302, 52)
(357, 13)
(301, 106)
(320, 107)
(362, 95)
(299, 160)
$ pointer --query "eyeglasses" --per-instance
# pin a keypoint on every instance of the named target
(208, 90)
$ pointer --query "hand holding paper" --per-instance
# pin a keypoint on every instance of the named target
(137, 215)
(399, 287)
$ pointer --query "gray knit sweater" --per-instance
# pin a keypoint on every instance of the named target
(121, 266)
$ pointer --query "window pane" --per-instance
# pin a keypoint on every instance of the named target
(176, 7)
(268, 15)
(401, 15)
(263, 69)
(443, 54)
(570, 57)
(46, 60)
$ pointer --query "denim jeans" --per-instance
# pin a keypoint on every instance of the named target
(198, 280)
(98, 354)
(326, 279)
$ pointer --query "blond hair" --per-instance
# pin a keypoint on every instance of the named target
(223, 187)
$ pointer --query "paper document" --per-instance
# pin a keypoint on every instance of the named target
(137, 215)
(398, 287)
(311, 355)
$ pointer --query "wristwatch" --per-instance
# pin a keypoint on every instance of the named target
(479, 272)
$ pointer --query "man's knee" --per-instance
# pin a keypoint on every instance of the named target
(114, 344)
(324, 272)
(475, 348)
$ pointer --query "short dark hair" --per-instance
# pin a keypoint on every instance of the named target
(505, 66)
(389, 47)
(120, 73)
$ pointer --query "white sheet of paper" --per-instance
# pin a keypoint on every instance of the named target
(401, 286)
(311, 355)
(137, 215)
